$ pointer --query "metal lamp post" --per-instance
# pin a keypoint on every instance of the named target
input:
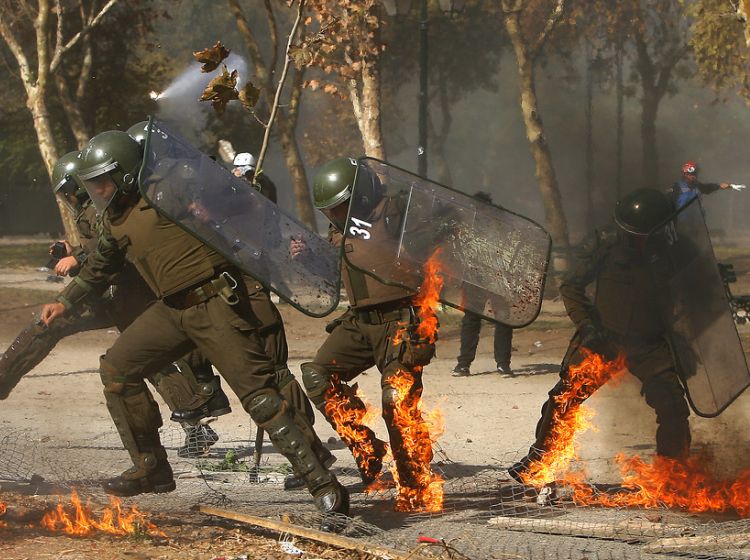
(400, 7)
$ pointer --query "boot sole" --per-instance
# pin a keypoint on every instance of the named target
(155, 489)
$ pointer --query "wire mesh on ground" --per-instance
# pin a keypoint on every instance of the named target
(485, 515)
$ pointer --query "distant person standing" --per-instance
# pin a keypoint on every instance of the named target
(471, 326)
(688, 187)
(244, 167)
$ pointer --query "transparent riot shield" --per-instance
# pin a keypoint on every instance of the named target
(493, 261)
(232, 217)
(704, 339)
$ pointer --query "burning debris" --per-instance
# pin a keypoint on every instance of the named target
(113, 520)
(3, 509)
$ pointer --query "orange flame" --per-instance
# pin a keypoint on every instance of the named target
(424, 490)
(571, 417)
(3, 509)
(676, 483)
(665, 482)
(426, 301)
(350, 417)
(113, 520)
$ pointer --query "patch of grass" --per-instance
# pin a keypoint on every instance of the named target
(33, 255)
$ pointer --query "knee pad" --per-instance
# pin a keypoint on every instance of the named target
(114, 382)
(316, 379)
(265, 406)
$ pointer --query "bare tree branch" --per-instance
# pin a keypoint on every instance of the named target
(20, 56)
(274, 34)
(280, 86)
(552, 21)
(261, 70)
(42, 46)
(92, 22)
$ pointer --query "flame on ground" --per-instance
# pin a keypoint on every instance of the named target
(3, 509)
(113, 520)
(571, 417)
(676, 483)
(686, 484)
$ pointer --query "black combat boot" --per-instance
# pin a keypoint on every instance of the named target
(153, 474)
(217, 405)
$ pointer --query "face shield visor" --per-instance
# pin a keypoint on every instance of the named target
(72, 193)
(100, 186)
(337, 214)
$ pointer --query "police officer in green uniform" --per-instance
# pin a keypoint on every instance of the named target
(189, 387)
(368, 333)
(200, 304)
(623, 318)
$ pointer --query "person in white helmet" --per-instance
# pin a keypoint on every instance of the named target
(244, 166)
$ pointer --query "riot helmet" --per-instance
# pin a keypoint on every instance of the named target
(66, 184)
(335, 182)
(109, 168)
(643, 211)
(244, 163)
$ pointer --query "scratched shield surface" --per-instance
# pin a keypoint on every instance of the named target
(493, 261)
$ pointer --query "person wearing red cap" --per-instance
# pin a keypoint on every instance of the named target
(688, 187)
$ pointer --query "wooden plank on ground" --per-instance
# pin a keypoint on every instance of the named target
(628, 530)
(332, 539)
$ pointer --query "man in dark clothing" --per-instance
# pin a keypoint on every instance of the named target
(688, 187)
(624, 319)
(244, 167)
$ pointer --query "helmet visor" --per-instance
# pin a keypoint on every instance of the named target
(101, 188)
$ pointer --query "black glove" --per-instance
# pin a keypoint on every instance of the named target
(595, 339)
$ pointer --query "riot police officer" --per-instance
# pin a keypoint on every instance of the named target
(189, 387)
(367, 334)
(200, 304)
(625, 317)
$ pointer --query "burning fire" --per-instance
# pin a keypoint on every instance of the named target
(3, 509)
(571, 417)
(350, 417)
(424, 492)
(665, 482)
(113, 520)
(676, 483)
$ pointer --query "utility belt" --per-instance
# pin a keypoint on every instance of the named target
(223, 285)
(399, 310)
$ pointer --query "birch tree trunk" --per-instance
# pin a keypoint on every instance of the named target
(286, 120)
(545, 171)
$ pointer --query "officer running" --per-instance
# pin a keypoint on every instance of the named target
(200, 304)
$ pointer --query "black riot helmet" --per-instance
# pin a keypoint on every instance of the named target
(642, 211)
(335, 183)
(109, 167)
(66, 184)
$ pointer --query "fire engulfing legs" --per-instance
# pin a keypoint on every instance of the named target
(685, 483)
(113, 520)
(570, 417)
(418, 488)
(349, 414)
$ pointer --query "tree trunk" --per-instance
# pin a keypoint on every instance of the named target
(620, 120)
(38, 108)
(296, 167)
(438, 137)
(368, 118)
(649, 109)
(589, 112)
(72, 113)
(545, 172)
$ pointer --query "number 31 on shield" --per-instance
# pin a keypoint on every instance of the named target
(359, 229)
